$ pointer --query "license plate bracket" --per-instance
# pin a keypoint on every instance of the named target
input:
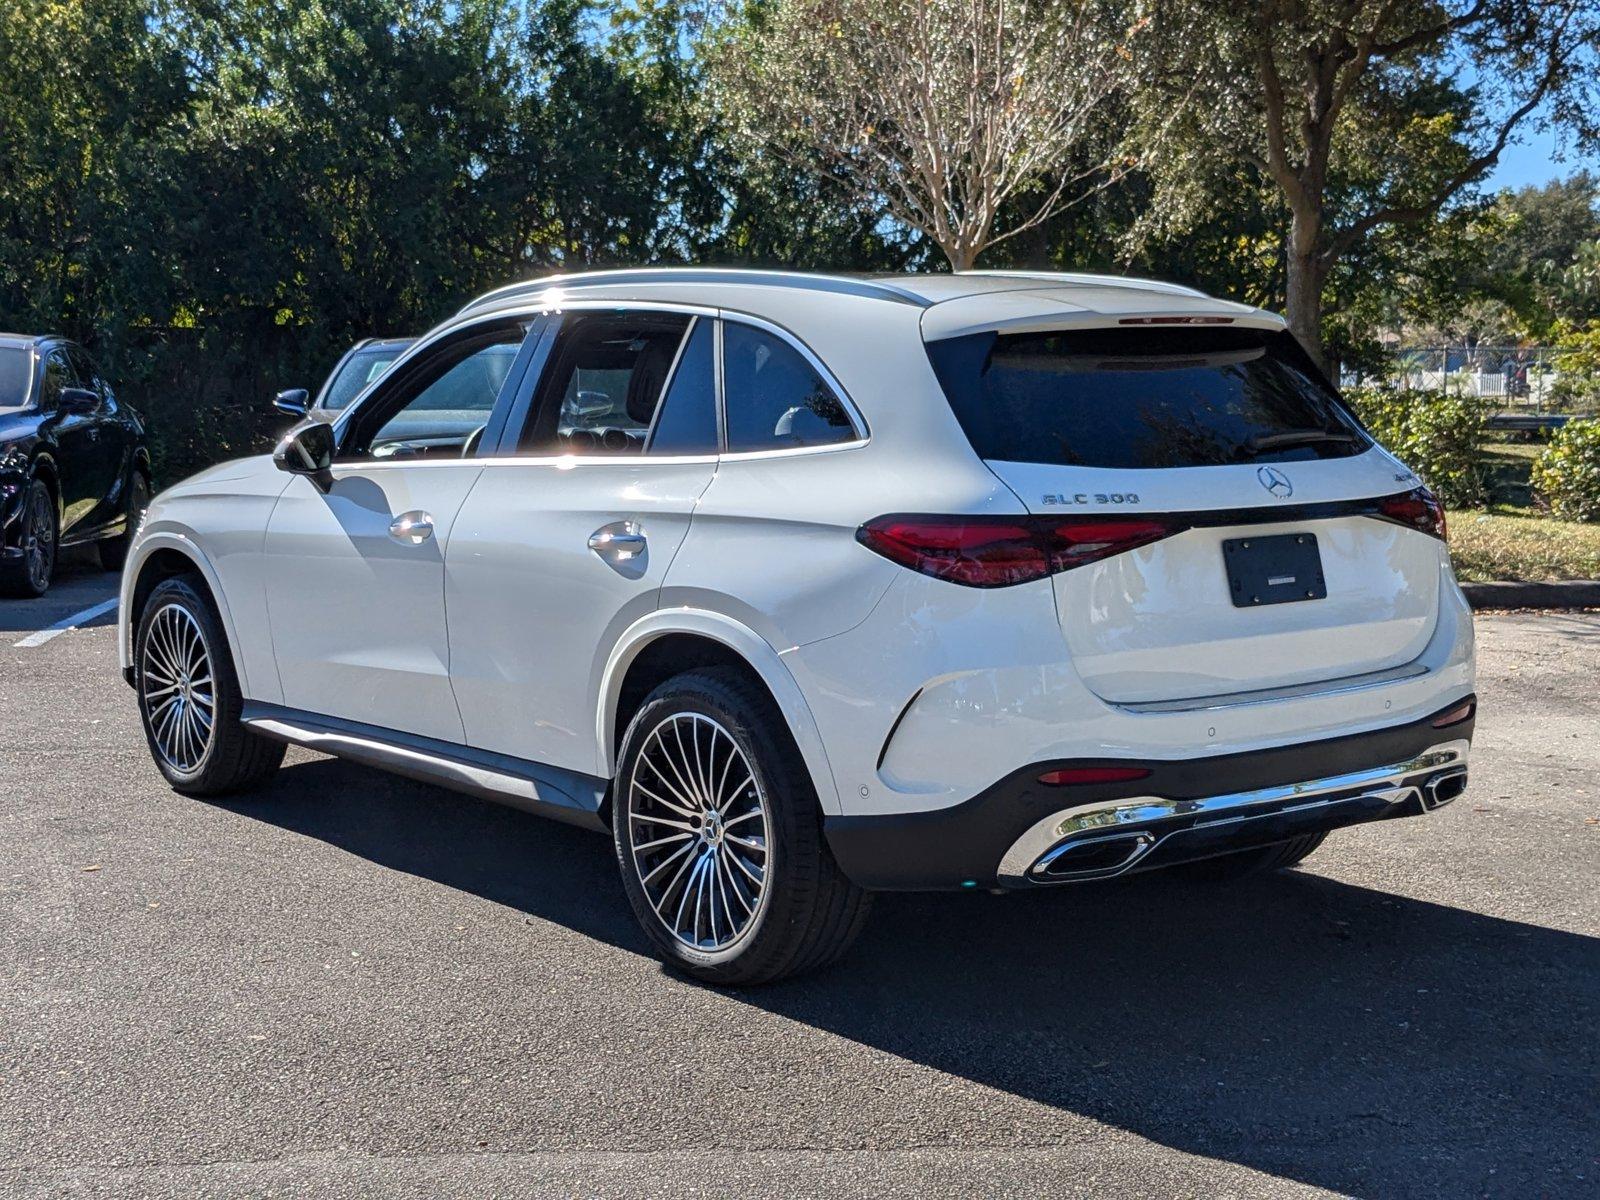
(1278, 569)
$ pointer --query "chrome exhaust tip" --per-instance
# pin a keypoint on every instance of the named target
(1443, 788)
(1093, 858)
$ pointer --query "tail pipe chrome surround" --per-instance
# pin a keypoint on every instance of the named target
(1110, 837)
(1444, 787)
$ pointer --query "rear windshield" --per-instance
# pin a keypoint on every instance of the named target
(1131, 398)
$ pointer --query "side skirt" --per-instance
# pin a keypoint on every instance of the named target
(569, 796)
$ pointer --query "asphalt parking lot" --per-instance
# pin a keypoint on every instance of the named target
(355, 985)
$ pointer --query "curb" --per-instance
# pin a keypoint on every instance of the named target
(1554, 593)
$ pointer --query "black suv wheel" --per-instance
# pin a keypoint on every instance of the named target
(29, 575)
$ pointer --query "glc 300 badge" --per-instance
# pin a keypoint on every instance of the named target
(1275, 481)
(1091, 498)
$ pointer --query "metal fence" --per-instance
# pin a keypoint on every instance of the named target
(1519, 378)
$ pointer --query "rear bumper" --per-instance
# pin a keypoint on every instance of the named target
(1021, 833)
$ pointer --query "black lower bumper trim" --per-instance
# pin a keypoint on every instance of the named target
(962, 846)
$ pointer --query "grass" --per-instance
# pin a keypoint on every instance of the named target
(1511, 539)
(1504, 543)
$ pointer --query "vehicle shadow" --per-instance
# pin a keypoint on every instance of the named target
(1329, 1034)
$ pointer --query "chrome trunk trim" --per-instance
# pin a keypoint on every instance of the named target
(1296, 691)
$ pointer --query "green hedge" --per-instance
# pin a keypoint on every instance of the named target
(1435, 434)
(1566, 477)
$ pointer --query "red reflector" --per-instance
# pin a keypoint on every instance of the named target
(1454, 716)
(1069, 776)
(989, 552)
(1176, 321)
(1419, 510)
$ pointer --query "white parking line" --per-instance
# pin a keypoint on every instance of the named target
(66, 623)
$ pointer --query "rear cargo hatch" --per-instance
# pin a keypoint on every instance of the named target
(1278, 568)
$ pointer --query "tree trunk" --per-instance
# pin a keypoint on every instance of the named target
(962, 257)
(1306, 274)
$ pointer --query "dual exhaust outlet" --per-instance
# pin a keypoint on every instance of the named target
(1104, 856)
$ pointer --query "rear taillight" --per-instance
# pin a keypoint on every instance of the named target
(1419, 510)
(1078, 776)
(988, 552)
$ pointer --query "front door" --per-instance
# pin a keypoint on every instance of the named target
(355, 575)
(565, 540)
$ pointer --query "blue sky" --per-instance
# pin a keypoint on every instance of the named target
(1532, 162)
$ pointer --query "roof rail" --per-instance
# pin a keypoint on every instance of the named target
(842, 284)
(1079, 278)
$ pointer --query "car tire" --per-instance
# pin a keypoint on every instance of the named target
(114, 551)
(29, 576)
(195, 735)
(786, 907)
(1244, 863)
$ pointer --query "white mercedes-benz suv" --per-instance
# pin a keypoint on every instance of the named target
(807, 586)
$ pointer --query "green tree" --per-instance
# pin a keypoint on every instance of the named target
(1353, 111)
(77, 126)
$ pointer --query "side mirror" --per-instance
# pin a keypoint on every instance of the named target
(294, 401)
(308, 451)
(76, 401)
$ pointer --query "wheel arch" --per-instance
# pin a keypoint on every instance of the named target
(44, 467)
(667, 642)
(163, 556)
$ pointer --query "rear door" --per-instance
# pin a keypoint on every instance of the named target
(112, 445)
(565, 539)
(1271, 567)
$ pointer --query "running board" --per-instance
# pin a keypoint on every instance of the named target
(568, 796)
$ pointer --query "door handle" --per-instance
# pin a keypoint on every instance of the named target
(620, 539)
(412, 528)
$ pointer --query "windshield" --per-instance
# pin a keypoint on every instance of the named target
(1130, 398)
(16, 376)
(360, 369)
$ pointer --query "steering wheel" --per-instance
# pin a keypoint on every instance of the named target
(470, 446)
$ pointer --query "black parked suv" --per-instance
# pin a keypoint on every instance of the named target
(74, 467)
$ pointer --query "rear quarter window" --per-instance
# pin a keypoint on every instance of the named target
(774, 399)
(1143, 398)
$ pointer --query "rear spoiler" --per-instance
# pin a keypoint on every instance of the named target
(1083, 308)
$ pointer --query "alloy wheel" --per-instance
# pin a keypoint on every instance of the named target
(177, 688)
(39, 542)
(699, 831)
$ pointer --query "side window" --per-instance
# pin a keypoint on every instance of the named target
(57, 375)
(606, 376)
(88, 374)
(774, 399)
(439, 408)
(687, 420)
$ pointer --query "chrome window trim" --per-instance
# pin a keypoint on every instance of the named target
(793, 451)
(565, 462)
